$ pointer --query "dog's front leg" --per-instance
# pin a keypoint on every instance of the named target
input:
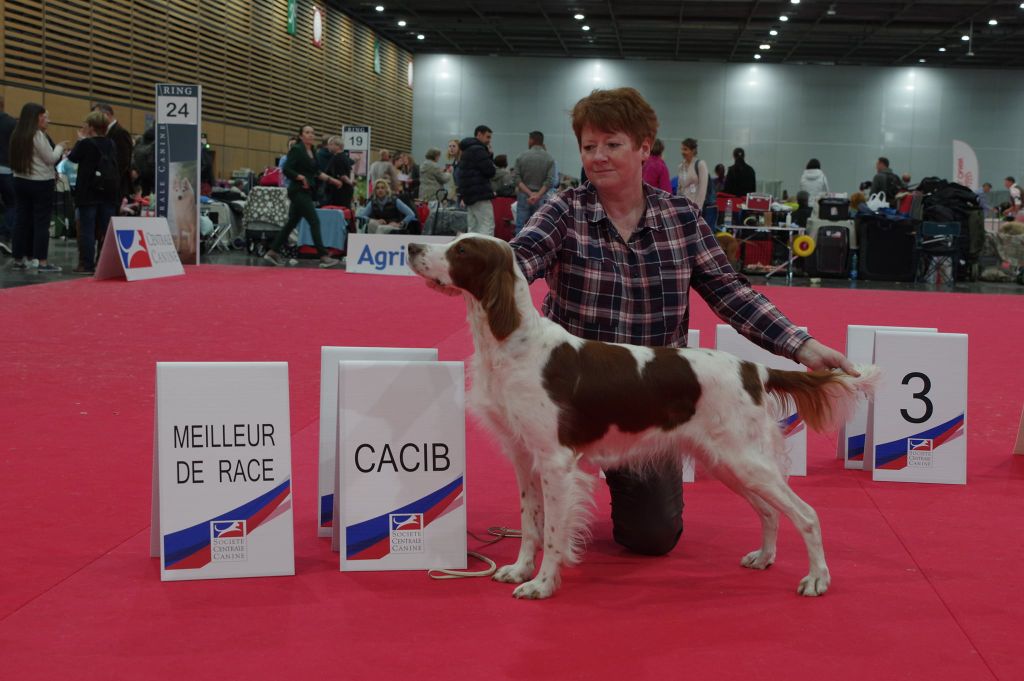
(532, 519)
(564, 489)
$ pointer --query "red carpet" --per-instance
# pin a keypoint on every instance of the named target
(926, 579)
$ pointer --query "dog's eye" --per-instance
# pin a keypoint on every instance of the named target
(460, 249)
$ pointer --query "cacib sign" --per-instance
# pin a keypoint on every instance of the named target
(384, 253)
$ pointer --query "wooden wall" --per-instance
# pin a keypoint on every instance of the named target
(259, 83)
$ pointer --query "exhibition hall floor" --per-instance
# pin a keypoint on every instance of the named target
(926, 578)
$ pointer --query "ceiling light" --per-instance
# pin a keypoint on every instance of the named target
(585, 27)
(757, 56)
(993, 22)
(831, 10)
(942, 49)
(420, 36)
(965, 38)
(401, 22)
(578, 17)
(794, 2)
(921, 60)
(783, 18)
(379, 8)
(773, 32)
(765, 46)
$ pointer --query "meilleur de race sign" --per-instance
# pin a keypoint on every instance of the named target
(222, 482)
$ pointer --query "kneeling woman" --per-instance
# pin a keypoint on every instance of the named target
(300, 167)
(387, 213)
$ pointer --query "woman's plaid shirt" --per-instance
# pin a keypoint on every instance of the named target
(603, 288)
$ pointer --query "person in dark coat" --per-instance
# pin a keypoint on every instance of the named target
(476, 168)
(740, 179)
(7, 125)
(122, 140)
(96, 203)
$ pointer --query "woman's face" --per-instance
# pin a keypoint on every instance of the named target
(688, 153)
(44, 120)
(612, 161)
(453, 148)
(308, 135)
(380, 190)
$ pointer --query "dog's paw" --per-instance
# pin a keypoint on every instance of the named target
(812, 585)
(513, 574)
(758, 560)
(535, 589)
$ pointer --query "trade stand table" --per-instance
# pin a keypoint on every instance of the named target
(333, 229)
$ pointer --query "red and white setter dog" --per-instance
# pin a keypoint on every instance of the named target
(557, 401)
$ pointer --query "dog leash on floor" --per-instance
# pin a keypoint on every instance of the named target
(498, 533)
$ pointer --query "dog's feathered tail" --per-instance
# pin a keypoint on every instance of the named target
(825, 399)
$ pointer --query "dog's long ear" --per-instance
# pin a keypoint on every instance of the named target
(499, 302)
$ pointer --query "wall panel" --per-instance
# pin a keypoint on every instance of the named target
(259, 82)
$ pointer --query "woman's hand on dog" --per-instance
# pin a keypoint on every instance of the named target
(814, 355)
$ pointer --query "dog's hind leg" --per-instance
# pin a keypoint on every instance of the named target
(532, 517)
(759, 474)
(566, 493)
(765, 555)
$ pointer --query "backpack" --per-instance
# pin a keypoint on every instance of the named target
(107, 178)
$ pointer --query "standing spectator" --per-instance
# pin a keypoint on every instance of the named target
(412, 170)
(533, 172)
(504, 182)
(302, 172)
(33, 158)
(476, 168)
(885, 180)
(144, 161)
(741, 179)
(450, 166)
(384, 168)
(340, 167)
(718, 181)
(433, 179)
(1015, 196)
(388, 214)
(292, 141)
(97, 201)
(7, 125)
(122, 140)
(695, 184)
(324, 153)
(655, 171)
(813, 180)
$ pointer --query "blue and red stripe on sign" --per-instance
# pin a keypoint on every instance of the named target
(369, 539)
(190, 548)
(855, 447)
(893, 455)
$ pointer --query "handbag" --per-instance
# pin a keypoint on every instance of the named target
(877, 201)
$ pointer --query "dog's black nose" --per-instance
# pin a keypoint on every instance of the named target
(415, 249)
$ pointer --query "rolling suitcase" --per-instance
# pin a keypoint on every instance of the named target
(833, 209)
(831, 257)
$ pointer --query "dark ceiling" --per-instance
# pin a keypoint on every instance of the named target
(860, 32)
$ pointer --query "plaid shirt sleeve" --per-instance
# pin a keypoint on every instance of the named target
(537, 245)
(736, 303)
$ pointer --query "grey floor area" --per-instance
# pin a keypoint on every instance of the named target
(65, 254)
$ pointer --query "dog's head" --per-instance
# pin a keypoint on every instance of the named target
(480, 266)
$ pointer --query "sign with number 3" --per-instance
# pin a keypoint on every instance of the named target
(917, 426)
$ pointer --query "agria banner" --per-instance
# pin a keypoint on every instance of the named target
(178, 119)
(222, 479)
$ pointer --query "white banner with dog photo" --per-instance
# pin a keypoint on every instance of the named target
(329, 358)
(727, 339)
(178, 169)
(401, 465)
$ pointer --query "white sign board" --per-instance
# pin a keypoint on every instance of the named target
(917, 431)
(384, 253)
(222, 480)
(138, 248)
(329, 358)
(357, 143)
(401, 465)
(727, 339)
(860, 349)
(178, 166)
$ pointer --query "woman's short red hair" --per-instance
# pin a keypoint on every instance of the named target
(620, 110)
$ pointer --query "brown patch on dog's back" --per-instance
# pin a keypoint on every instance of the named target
(600, 386)
(752, 381)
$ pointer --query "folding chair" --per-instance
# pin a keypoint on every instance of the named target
(938, 246)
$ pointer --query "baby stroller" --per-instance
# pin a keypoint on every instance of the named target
(266, 212)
